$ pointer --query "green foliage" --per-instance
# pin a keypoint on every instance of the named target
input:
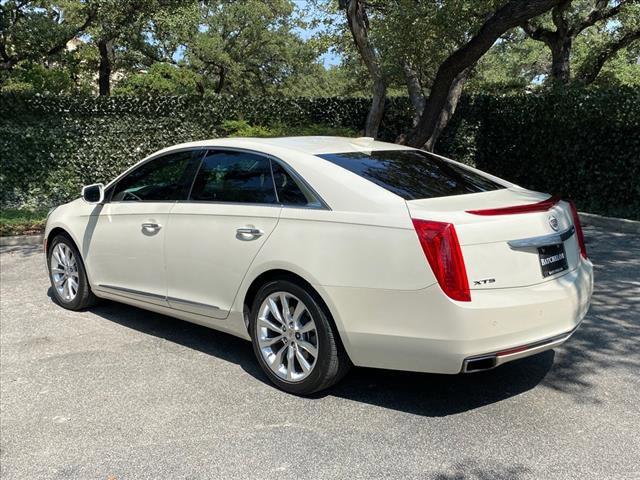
(580, 143)
(15, 221)
(241, 128)
(584, 143)
(27, 77)
(160, 79)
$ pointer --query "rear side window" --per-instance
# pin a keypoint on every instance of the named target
(162, 179)
(413, 174)
(227, 176)
(291, 192)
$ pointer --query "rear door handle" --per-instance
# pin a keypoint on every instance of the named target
(151, 227)
(249, 232)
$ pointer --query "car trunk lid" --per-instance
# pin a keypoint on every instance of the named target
(507, 248)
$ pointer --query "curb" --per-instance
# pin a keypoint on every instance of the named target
(620, 225)
(20, 240)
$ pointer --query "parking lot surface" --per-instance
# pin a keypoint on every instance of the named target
(117, 392)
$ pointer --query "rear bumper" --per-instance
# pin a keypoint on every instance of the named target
(425, 331)
(488, 361)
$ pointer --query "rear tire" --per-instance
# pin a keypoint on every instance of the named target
(294, 339)
(68, 276)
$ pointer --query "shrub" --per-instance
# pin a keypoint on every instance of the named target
(583, 143)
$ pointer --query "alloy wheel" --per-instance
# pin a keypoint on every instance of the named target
(287, 336)
(64, 272)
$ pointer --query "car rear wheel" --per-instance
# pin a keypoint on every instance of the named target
(68, 276)
(294, 340)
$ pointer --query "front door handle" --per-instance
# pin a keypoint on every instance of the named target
(151, 227)
(248, 233)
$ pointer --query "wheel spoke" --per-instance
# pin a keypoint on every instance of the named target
(269, 324)
(273, 308)
(56, 255)
(306, 366)
(58, 281)
(313, 351)
(57, 270)
(308, 327)
(297, 313)
(290, 356)
(286, 315)
(277, 360)
(73, 284)
(270, 341)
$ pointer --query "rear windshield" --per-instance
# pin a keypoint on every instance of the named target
(413, 174)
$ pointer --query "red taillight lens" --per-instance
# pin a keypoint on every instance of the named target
(442, 249)
(578, 227)
(542, 206)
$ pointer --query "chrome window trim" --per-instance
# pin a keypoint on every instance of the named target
(290, 170)
(112, 184)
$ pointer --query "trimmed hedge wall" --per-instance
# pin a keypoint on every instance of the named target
(584, 144)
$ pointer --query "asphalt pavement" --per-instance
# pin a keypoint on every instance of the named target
(116, 393)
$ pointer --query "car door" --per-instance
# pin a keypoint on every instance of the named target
(214, 236)
(125, 248)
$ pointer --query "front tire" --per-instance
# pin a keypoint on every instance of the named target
(294, 340)
(68, 276)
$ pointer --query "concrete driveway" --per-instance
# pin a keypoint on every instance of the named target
(117, 393)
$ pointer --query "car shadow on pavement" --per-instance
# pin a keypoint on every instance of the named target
(441, 395)
(417, 393)
(607, 339)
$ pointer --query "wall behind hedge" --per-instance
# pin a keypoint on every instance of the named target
(581, 143)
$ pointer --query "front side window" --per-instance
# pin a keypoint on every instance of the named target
(161, 179)
(413, 174)
(229, 176)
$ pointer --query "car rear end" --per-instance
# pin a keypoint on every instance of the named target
(512, 274)
(516, 277)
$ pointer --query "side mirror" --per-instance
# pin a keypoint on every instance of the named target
(93, 193)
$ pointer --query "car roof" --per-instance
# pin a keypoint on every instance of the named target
(313, 145)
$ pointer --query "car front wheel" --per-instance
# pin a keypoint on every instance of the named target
(294, 340)
(68, 276)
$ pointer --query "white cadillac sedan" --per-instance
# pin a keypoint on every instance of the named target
(326, 252)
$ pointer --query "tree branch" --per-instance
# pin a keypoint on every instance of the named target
(599, 13)
(591, 68)
(512, 14)
(359, 26)
(538, 33)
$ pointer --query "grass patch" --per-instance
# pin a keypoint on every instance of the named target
(17, 221)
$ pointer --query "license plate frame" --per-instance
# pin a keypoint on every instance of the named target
(552, 259)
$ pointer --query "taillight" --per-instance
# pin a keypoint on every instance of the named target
(578, 227)
(442, 249)
(542, 206)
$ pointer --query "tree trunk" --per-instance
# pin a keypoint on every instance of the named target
(358, 25)
(222, 76)
(449, 108)
(415, 91)
(105, 47)
(561, 58)
(512, 14)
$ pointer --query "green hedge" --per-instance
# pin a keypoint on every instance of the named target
(582, 143)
